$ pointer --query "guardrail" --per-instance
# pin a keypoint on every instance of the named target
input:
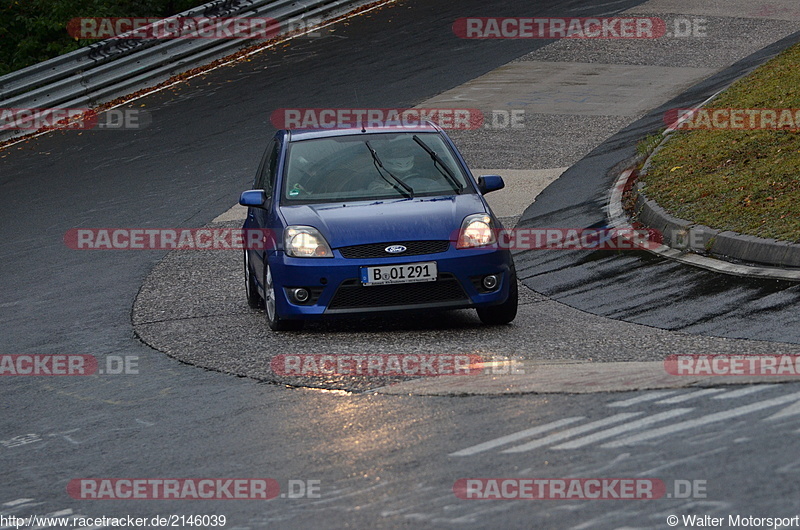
(111, 68)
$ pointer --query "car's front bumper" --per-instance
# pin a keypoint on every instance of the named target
(337, 290)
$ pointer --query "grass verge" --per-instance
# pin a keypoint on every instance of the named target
(747, 181)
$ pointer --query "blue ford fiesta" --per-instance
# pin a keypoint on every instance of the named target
(357, 221)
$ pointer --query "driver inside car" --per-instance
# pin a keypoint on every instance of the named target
(399, 160)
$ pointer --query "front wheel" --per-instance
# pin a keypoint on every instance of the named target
(505, 312)
(276, 323)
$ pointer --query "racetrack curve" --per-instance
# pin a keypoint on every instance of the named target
(385, 461)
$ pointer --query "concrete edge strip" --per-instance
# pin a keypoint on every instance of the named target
(571, 378)
(618, 219)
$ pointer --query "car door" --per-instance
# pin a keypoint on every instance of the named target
(260, 218)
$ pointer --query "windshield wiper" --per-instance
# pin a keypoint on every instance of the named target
(404, 188)
(439, 164)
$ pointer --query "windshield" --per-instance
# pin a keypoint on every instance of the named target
(370, 167)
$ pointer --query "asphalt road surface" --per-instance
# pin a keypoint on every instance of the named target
(372, 459)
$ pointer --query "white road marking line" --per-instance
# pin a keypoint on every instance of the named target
(18, 501)
(491, 444)
(569, 433)
(675, 463)
(691, 395)
(744, 391)
(704, 420)
(641, 399)
(626, 427)
(791, 410)
(15, 506)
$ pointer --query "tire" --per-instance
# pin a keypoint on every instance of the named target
(504, 313)
(274, 320)
(254, 299)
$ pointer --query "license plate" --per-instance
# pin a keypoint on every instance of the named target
(405, 273)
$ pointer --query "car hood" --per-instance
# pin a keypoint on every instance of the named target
(358, 223)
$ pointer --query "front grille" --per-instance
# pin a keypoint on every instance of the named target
(378, 250)
(352, 295)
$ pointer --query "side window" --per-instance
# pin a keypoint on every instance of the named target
(267, 176)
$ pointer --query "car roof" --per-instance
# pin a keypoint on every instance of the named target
(296, 135)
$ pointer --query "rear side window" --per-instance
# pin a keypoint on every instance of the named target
(266, 178)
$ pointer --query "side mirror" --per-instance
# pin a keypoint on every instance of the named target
(490, 183)
(253, 198)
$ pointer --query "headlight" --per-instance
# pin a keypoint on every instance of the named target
(305, 242)
(477, 230)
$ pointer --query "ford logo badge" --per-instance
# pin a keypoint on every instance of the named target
(395, 249)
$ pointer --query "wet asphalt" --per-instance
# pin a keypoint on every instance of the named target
(382, 460)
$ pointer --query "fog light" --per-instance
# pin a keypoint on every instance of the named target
(490, 282)
(301, 295)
